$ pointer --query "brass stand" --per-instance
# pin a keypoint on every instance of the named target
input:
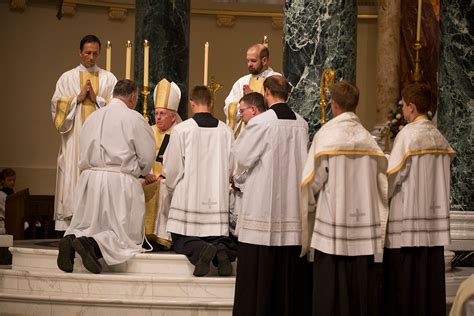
(213, 86)
(327, 80)
(417, 73)
(145, 93)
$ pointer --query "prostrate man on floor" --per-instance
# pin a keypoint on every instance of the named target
(418, 225)
(197, 168)
(117, 146)
(258, 57)
(166, 96)
(345, 172)
(79, 92)
(271, 277)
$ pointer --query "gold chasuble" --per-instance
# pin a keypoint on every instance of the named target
(152, 190)
(87, 105)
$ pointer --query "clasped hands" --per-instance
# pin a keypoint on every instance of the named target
(87, 92)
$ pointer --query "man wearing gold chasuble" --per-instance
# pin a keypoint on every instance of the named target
(79, 92)
(166, 97)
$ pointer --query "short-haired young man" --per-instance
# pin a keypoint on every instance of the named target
(197, 167)
(418, 224)
(345, 174)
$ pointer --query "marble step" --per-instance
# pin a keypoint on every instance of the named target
(162, 264)
(148, 284)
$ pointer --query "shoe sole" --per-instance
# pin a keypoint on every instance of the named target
(65, 252)
(224, 267)
(87, 259)
(203, 265)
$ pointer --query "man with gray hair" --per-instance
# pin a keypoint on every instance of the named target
(117, 146)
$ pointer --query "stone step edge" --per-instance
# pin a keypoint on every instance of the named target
(118, 276)
(186, 304)
(54, 252)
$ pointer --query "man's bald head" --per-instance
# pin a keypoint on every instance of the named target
(257, 58)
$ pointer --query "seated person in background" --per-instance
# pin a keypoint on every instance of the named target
(250, 105)
(197, 169)
(7, 182)
(117, 146)
(166, 96)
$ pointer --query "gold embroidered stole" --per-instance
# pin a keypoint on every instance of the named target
(256, 84)
(87, 105)
(232, 114)
(62, 108)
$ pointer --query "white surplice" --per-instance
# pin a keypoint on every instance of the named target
(419, 186)
(237, 93)
(197, 167)
(67, 89)
(345, 169)
(117, 146)
(273, 151)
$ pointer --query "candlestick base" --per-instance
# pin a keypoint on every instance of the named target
(145, 93)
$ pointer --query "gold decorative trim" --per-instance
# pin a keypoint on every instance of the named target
(419, 152)
(69, 9)
(339, 152)
(225, 20)
(62, 108)
(18, 5)
(277, 22)
(117, 14)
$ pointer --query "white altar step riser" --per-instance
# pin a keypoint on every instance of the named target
(31, 305)
(162, 264)
(128, 287)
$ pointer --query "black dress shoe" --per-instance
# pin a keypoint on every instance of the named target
(66, 254)
(224, 267)
(204, 261)
(85, 248)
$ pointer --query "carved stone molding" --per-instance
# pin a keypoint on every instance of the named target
(225, 20)
(69, 9)
(117, 14)
(277, 22)
(18, 5)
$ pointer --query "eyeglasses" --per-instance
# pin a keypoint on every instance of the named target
(243, 110)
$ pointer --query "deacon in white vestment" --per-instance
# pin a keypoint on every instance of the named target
(345, 173)
(418, 224)
(257, 63)
(197, 169)
(117, 146)
(166, 97)
(79, 92)
(271, 276)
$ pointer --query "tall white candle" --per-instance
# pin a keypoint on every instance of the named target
(108, 56)
(146, 56)
(128, 60)
(206, 62)
(418, 21)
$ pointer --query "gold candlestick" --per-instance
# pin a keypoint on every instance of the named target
(417, 73)
(213, 86)
(145, 93)
(265, 41)
(327, 80)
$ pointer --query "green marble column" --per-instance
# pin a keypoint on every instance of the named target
(318, 34)
(456, 97)
(165, 24)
